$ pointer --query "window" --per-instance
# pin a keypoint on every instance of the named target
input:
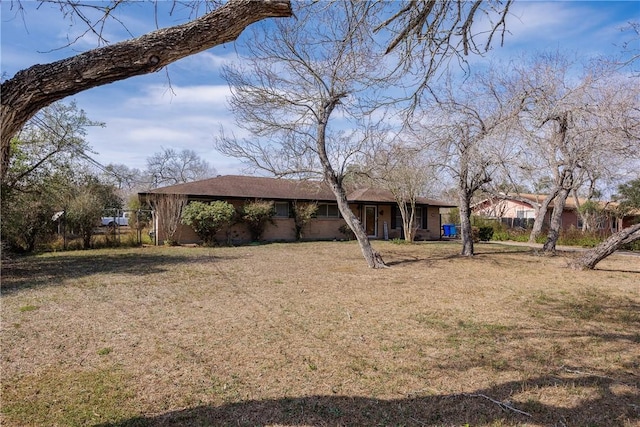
(282, 209)
(417, 219)
(327, 210)
(525, 214)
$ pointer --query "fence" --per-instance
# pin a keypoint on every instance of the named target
(113, 225)
(524, 223)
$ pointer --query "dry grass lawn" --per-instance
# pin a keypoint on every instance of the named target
(306, 335)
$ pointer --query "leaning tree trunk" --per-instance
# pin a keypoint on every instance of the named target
(556, 221)
(373, 258)
(40, 85)
(590, 258)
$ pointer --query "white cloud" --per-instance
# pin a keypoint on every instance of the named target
(557, 24)
(206, 61)
(195, 96)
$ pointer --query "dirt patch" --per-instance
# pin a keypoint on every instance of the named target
(306, 334)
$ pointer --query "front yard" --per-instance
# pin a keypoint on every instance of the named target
(304, 334)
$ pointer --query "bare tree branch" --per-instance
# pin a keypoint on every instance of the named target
(40, 85)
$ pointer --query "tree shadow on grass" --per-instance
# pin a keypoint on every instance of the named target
(429, 259)
(614, 403)
(30, 272)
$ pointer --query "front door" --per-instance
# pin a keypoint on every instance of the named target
(371, 220)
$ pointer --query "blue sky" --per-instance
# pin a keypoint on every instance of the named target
(185, 107)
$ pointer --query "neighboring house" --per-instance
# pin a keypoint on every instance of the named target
(376, 209)
(519, 211)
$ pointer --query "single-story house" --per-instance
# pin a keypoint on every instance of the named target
(519, 211)
(376, 209)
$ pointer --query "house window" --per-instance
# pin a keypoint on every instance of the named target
(417, 220)
(327, 210)
(525, 214)
(282, 209)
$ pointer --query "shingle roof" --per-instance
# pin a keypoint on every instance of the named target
(252, 187)
(248, 187)
(570, 203)
(379, 195)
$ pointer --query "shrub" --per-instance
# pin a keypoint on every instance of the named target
(453, 217)
(475, 234)
(485, 233)
(346, 230)
(302, 214)
(500, 235)
(633, 246)
(256, 215)
(208, 218)
(83, 214)
(576, 237)
(399, 241)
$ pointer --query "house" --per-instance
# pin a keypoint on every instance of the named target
(376, 209)
(519, 211)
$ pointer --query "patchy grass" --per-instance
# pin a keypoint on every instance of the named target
(305, 334)
(29, 307)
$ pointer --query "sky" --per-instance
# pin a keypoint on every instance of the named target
(184, 106)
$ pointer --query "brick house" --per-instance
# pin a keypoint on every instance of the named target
(376, 209)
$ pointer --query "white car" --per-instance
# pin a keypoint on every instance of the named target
(110, 221)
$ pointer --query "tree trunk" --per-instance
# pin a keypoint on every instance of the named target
(590, 258)
(465, 224)
(556, 221)
(541, 212)
(407, 212)
(373, 258)
(40, 85)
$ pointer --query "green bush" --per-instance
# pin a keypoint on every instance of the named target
(399, 241)
(485, 233)
(256, 215)
(207, 219)
(500, 235)
(576, 237)
(633, 246)
(302, 215)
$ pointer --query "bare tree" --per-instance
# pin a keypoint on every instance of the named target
(578, 130)
(327, 63)
(295, 91)
(168, 212)
(425, 34)
(170, 167)
(468, 128)
(122, 176)
(31, 89)
(403, 169)
(629, 198)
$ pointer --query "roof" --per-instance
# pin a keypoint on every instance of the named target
(253, 187)
(570, 203)
(249, 187)
(379, 195)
